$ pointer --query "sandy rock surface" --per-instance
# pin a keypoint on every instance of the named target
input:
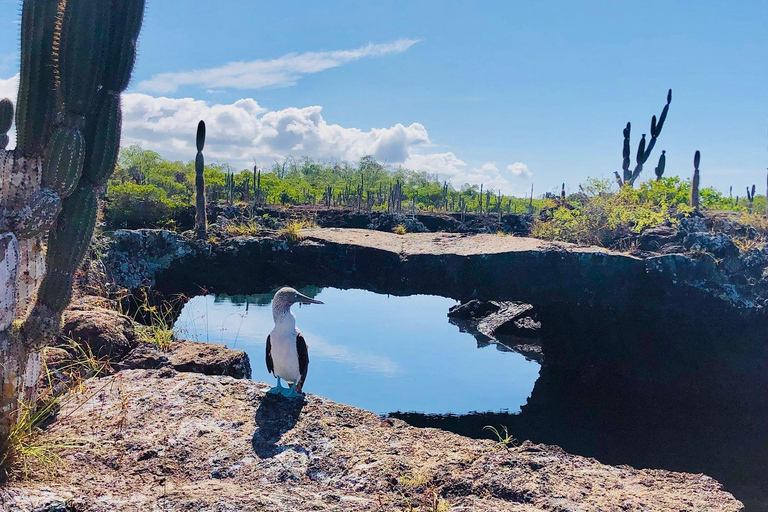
(162, 440)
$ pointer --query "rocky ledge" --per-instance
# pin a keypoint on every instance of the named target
(163, 440)
(510, 325)
(109, 341)
(460, 266)
(679, 323)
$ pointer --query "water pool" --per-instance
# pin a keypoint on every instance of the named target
(378, 352)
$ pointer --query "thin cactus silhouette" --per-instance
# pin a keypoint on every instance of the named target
(201, 218)
(695, 180)
(643, 149)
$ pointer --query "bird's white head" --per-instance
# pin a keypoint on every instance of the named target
(287, 297)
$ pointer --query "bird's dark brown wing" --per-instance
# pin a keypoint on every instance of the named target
(301, 349)
(270, 366)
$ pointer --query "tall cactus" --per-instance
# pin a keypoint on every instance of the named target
(661, 166)
(6, 120)
(256, 185)
(201, 220)
(751, 199)
(695, 181)
(76, 60)
(229, 187)
(644, 148)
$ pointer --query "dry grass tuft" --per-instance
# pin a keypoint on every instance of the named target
(242, 228)
(292, 231)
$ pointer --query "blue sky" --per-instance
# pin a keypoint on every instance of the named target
(506, 93)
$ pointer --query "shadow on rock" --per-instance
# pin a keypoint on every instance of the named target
(275, 416)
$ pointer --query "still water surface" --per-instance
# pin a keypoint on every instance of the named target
(377, 352)
(388, 354)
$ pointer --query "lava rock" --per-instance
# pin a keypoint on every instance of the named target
(512, 318)
(209, 359)
(388, 222)
(719, 245)
(190, 357)
(694, 225)
(524, 327)
(143, 357)
(224, 445)
(134, 257)
(473, 310)
(56, 357)
(105, 332)
(672, 249)
(657, 238)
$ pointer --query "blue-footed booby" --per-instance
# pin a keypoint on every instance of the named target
(287, 355)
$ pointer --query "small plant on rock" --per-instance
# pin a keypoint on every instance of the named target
(26, 448)
(504, 440)
(242, 228)
(154, 321)
(292, 231)
(400, 229)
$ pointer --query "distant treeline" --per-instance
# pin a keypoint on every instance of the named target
(148, 190)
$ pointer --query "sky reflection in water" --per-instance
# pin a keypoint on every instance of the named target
(378, 352)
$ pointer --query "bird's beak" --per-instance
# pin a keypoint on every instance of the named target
(303, 299)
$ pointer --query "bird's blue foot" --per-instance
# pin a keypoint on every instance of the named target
(277, 390)
(291, 392)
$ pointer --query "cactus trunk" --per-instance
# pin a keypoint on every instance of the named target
(643, 150)
(76, 59)
(22, 266)
(201, 220)
(695, 181)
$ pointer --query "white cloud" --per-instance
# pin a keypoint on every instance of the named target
(519, 170)
(449, 167)
(360, 360)
(241, 131)
(280, 72)
(9, 88)
(244, 130)
(490, 176)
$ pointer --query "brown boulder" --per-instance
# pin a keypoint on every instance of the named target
(209, 359)
(106, 332)
(190, 356)
(143, 357)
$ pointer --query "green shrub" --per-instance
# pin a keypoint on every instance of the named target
(603, 213)
(131, 205)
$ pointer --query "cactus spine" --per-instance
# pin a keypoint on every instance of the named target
(695, 181)
(201, 220)
(36, 103)
(644, 147)
(76, 60)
